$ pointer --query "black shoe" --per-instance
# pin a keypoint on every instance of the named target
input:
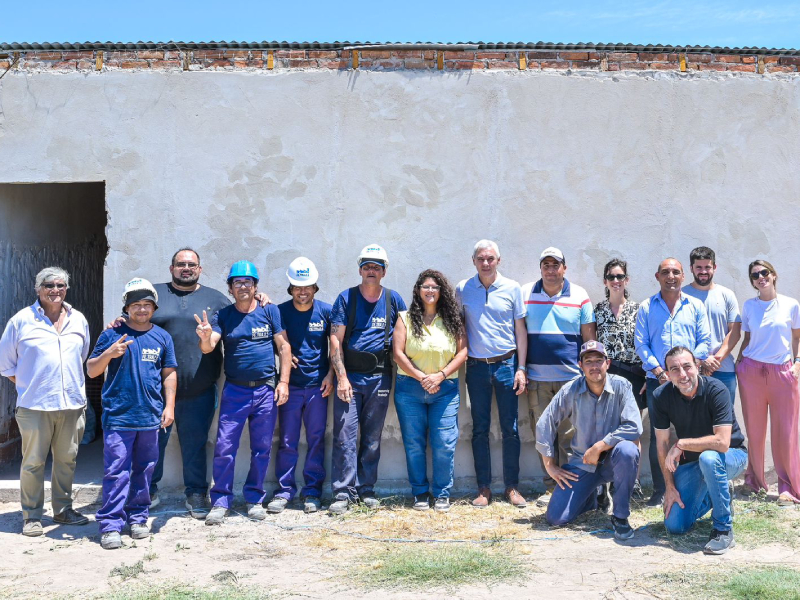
(657, 499)
(422, 501)
(637, 494)
(70, 517)
(603, 501)
(719, 542)
(622, 529)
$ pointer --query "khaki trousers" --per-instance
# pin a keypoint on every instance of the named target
(540, 393)
(43, 430)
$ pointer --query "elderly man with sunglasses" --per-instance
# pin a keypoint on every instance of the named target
(42, 352)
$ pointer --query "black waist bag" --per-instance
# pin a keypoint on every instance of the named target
(357, 361)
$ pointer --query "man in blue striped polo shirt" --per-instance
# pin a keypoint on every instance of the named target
(559, 318)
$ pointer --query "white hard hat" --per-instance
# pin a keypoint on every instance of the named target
(139, 289)
(302, 272)
(373, 254)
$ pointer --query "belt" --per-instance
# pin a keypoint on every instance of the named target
(495, 359)
(252, 384)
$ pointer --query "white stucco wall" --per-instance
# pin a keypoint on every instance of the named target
(269, 166)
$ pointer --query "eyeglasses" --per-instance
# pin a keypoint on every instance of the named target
(430, 288)
(372, 267)
(620, 277)
(756, 275)
(57, 286)
(243, 284)
(186, 265)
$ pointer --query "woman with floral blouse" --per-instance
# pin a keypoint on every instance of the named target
(616, 321)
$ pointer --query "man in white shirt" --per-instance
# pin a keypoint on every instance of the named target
(42, 352)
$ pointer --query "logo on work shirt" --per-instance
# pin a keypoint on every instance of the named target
(378, 322)
(150, 354)
(316, 326)
(260, 333)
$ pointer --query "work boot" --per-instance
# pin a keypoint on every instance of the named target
(277, 504)
(197, 505)
(256, 512)
(657, 499)
(70, 517)
(339, 506)
(370, 501)
(154, 500)
(483, 499)
(311, 504)
(32, 528)
(515, 498)
(139, 531)
(544, 499)
(111, 540)
(216, 515)
(719, 542)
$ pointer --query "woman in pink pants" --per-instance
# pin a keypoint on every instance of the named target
(768, 369)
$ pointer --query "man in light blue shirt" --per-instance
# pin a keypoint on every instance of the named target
(724, 319)
(498, 343)
(669, 318)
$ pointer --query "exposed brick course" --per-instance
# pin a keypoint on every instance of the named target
(399, 59)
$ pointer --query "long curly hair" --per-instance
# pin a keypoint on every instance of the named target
(447, 307)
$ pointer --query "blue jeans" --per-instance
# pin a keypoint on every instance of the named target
(421, 413)
(620, 466)
(354, 461)
(729, 379)
(193, 418)
(481, 380)
(659, 485)
(703, 486)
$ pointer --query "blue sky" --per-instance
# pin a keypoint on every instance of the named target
(678, 22)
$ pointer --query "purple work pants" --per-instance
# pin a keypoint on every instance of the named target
(238, 405)
(306, 406)
(129, 458)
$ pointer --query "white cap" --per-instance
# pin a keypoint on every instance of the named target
(302, 272)
(552, 252)
(139, 289)
(373, 254)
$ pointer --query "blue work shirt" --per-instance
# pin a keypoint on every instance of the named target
(658, 331)
(248, 341)
(490, 314)
(132, 391)
(308, 333)
(612, 417)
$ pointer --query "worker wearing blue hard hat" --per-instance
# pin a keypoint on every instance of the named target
(251, 394)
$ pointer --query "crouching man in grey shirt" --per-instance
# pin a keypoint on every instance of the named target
(607, 425)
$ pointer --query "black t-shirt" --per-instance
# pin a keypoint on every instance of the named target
(697, 417)
(176, 309)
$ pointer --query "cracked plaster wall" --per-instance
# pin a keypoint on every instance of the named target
(269, 166)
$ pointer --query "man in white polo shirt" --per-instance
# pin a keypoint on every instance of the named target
(559, 318)
(495, 321)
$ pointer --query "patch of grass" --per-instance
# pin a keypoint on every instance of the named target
(753, 583)
(128, 571)
(437, 566)
(225, 577)
(151, 555)
(763, 523)
(177, 591)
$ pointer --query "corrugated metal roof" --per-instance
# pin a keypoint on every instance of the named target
(275, 45)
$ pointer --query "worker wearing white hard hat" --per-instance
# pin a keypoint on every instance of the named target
(362, 323)
(307, 322)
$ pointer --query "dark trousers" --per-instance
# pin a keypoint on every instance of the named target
(354, 465)
(193, 418)
(659, 485)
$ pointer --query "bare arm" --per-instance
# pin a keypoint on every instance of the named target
(208, 337)
(745, 343)
(730, 341)
(169, 378)
(400, 356)
(589, 331)
(97, 366)
(432, 382)
(343, 388)
(671, 495)
(285, 353)
(521, 335)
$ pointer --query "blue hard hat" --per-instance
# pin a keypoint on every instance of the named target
(243, 268)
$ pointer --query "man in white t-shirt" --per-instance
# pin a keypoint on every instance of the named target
(724, 319)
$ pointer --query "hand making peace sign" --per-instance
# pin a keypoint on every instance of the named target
(203, 327)
(119, 347)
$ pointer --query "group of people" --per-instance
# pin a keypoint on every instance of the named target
(588, 373)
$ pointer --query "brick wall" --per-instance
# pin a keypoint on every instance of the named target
(447, 60)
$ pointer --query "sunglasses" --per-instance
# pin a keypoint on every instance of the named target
(57, 286)
(616, 277)
(756, 275)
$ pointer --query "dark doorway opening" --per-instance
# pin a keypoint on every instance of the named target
(41, 225)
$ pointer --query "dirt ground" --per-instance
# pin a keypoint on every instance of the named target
(293, 555)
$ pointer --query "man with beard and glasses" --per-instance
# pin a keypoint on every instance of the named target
(179, 301)
(667, 319)
(724, 319)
